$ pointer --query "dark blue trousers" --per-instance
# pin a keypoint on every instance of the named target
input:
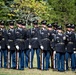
(60, 61)
(46, 56)
(71, 56)
(75, 60)
(38, 57)
(4, 53)
(26, 53)
(21, 56)
(13, 56)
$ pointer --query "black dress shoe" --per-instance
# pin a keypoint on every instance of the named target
(61, 70)
(13, 68)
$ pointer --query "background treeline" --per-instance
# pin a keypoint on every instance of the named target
(61, 11)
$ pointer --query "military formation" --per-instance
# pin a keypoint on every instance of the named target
(54, 47)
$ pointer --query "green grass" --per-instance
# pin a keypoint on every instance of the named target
(34, 71)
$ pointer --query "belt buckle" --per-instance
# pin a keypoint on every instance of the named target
(62, 43)
(52, 40)
(21, 40)
(3, 38)
(35, 38)
(10, 40)
(70, 42)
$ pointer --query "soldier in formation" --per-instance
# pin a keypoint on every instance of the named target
(3, 44)
(11, 46)
(50, 42)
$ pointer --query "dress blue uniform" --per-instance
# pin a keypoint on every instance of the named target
(70, 38)
(11, 44)
(34, 42)
(3, 44)
(52, 36)
(45, 47)
(74, 48)
(20, 44)
(26, 51)
(60, 49)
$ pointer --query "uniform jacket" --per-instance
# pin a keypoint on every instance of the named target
(3, 38)
(60, 42)
(11, 38)
(20, 40)
(70, 40)
(34, 39)
(44, 39)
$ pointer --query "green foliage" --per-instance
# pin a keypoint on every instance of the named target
(63, 11)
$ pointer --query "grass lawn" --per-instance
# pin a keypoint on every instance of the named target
(34, 71)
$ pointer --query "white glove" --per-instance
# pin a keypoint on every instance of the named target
(29, 46)
(42, 47)
(0, 47)
(8, 47)
(75, 52)
(17, 47)
(54, 52)
(64, 38)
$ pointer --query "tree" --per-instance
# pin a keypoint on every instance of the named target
(64, 10)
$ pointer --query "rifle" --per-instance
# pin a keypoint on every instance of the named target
(54, 60)
(8, 59)
(65, 64)
(30, 48)
(30, 59)
(42, 59)
(17, 59)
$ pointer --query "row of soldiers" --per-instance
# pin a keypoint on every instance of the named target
(18, 45)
